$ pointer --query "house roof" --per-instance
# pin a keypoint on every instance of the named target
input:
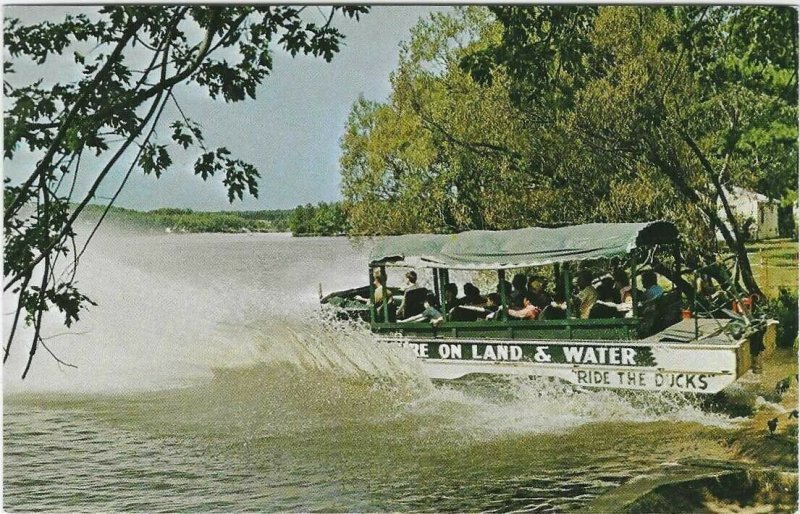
(738, 192)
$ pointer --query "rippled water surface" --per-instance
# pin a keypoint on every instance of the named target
(206, 381)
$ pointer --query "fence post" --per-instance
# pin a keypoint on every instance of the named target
(764, 262)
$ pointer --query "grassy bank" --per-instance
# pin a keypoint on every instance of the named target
(775, 264)
(187, 220)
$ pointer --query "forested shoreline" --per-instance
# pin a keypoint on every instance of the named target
(323, 219)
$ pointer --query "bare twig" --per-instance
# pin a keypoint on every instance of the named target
(59, 361)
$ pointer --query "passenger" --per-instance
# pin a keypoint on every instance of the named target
(536, 288)
(507, 286)
(605, 306)
(607, 283)
(557, 308)
(492, 305)
(472, 296)
(651, 288)
(605, 289)
(431, 312)
(528, 310)
(587, 295)
(378, 291)
(623, 286)
(413, 297)
(379, 294)
(517, 297)
(451, 295)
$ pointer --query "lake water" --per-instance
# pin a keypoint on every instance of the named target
(206, 381)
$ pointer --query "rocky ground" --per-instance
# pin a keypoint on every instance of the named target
(760, 474)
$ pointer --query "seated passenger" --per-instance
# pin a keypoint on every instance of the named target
(528, 310)
(492, 305)
(587, 294)
(557, 308)
(466, 313)
(380, 294)
(605, 307)
(431, 312)
(506, 283)
(651, 288)
(472, 296)
(520, 289)
(413, 297)
(451, 295)
(536, 287)
(607, 283)
(470, 307)
(623, 286)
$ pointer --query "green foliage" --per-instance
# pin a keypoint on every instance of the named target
(784, 309)
(685, 94)
(529, 115)
(140, 57)
(324, 219)
(187, 220)
(445, 153)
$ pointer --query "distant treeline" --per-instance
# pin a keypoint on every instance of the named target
(323, 219)
(187, 220)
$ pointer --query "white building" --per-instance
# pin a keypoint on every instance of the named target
(759, 209)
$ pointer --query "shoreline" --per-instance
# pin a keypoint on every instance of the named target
(760, 473)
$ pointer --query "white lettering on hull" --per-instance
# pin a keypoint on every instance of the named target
(600, 355)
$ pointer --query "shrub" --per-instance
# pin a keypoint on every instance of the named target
(784, 309)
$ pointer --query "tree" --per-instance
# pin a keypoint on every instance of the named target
(699, 98)
(444, 153)
(324, 219)
(110, 113)
(448, 153)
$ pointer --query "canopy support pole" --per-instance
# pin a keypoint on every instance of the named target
(556, 276)
(443, 280)
(385, 295)
(501, 280)
(567, 290)
(634, 286)
(677, 256)
(436, 285)
(372, 313)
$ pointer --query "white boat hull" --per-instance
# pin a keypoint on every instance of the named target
(704, 367)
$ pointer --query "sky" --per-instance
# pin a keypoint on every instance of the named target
(290, 132)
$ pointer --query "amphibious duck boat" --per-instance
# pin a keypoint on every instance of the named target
(652, 348)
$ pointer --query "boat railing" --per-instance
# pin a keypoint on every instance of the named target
(608, 328)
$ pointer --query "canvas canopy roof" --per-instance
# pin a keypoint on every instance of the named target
(533, 246)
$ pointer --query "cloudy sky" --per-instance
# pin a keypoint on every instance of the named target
(291, 132)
